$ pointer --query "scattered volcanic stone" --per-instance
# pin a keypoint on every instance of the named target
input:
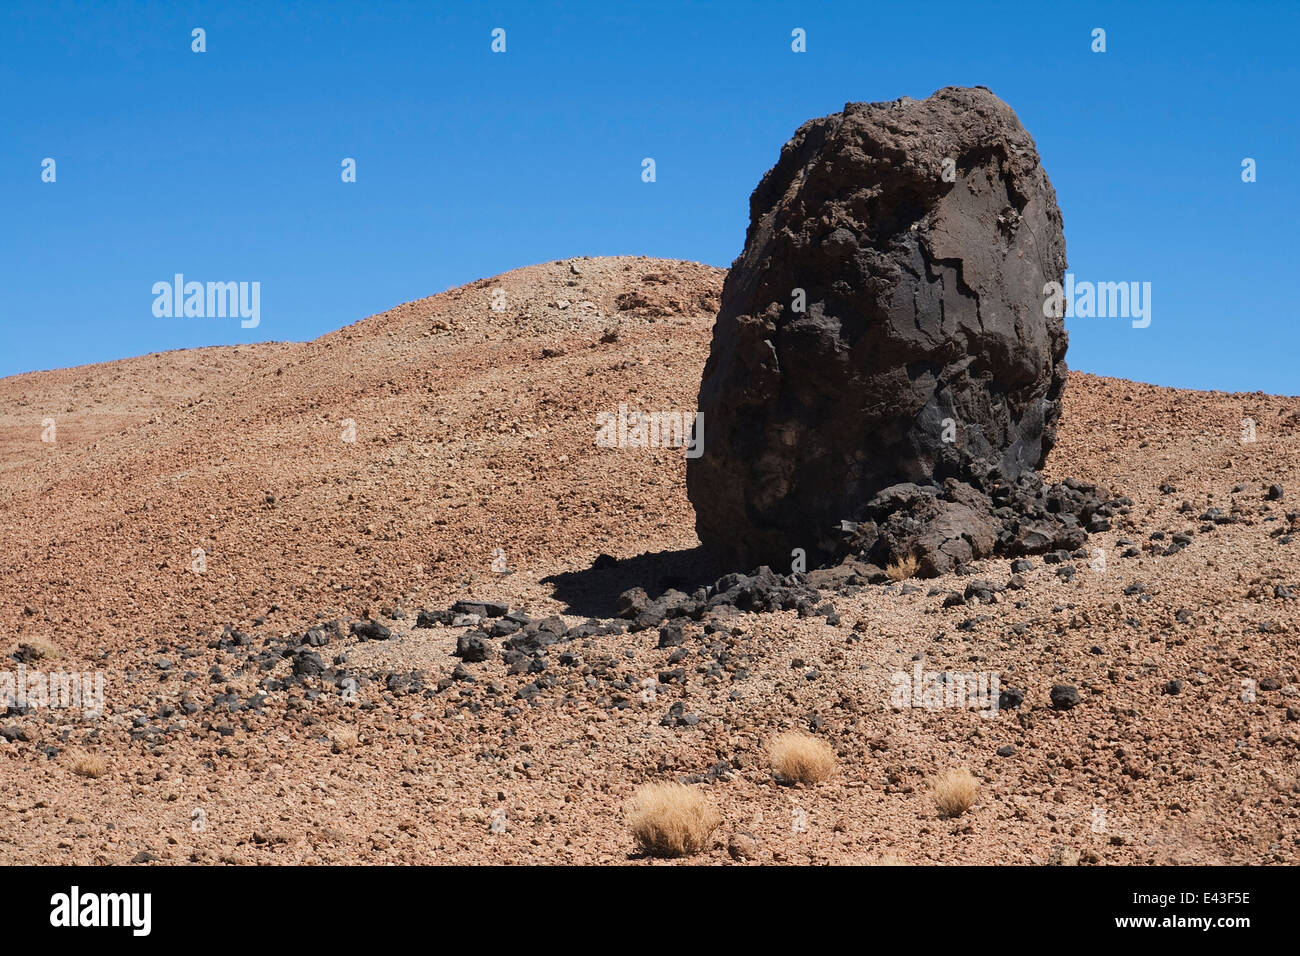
(481, 608)
(1064, 696)
(316, 637)
(370, 630)
(631, 603)
(1010, 698)
(678, 717)
(671, 635)
(554, 624)
(473, 647)
(308, 664)
(1275, 492)
(531, 640)
(503, 627)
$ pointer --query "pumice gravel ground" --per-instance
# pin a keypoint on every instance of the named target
(242, 541)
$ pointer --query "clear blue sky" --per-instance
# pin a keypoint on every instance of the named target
(225, 165)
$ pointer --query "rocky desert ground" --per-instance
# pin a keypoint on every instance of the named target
(243, 540)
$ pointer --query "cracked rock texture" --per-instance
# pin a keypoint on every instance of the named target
(883, 325)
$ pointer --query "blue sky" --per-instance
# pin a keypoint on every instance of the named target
(225, 165)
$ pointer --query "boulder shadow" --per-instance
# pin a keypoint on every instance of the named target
(593, 591)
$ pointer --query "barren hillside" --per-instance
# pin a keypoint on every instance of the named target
(378, 471)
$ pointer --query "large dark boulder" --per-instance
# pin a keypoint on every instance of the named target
(884, 325)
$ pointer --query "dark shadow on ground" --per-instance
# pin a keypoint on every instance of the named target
(593, 591)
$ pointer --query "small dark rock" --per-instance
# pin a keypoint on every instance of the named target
(671, 635)
(481, 608)
(1011, 698)
(308, 664)
(1065, 696)
(473, 647)
(631, 603)
(368, 629)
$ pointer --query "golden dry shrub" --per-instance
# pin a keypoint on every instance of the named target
(36, 649)
(89, 765)
(344, 738)
(902, 568)
(671, 819)
(954, 791)
(801, 757)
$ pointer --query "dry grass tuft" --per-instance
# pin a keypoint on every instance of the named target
(89, 765)
(902, 568)
(954, 792)
(36, 649)
(671, 819)
(344, 738)
(801, 758)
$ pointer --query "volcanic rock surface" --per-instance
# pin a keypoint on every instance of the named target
(885, 326)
